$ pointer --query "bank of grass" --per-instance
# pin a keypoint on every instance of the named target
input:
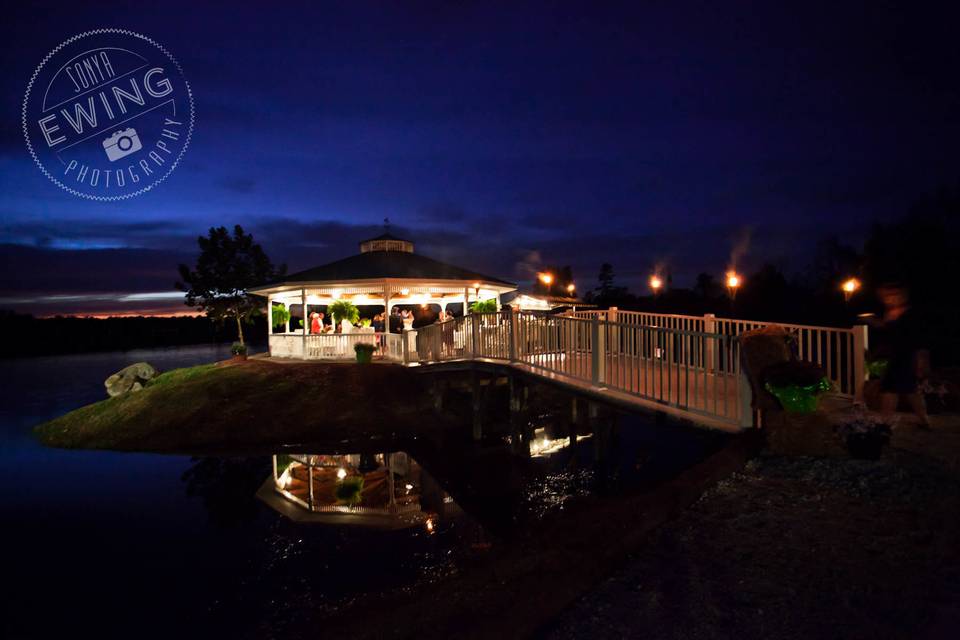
(251, 405)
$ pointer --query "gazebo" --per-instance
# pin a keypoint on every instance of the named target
(386, 273)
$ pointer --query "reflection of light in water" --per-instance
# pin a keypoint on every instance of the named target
(542, 445)
(429, 525)
(554, 489)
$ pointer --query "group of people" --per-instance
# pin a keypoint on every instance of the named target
(399, 319)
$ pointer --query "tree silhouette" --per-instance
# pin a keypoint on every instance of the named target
(228, 265)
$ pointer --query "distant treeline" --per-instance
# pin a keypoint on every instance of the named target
(24, 335)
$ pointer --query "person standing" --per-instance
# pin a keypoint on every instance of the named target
(899, 340)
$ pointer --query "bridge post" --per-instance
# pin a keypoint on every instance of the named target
(861, 342)
(475, 334)
(513, 321)
(614, 334)
(599, 349)
(477, 406)
(519, 443)
(709, 326)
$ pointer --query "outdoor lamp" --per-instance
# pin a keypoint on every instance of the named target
(655, 284)
(733, 281)
(849, 287)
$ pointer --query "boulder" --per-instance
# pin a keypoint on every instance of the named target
(132, 378)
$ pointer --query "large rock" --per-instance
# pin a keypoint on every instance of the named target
(132, 378)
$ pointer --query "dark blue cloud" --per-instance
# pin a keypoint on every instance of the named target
(628, 133)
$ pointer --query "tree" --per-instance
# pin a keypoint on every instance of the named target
(228, 265)
(706, 287)
(606, 280)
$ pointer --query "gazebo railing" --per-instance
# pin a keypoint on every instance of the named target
(334, 346)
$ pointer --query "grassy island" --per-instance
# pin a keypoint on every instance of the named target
(253, 405)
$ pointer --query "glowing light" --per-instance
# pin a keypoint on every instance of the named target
(404, 291)
(341, 473)
(655, 283)
(545, 278)
(335, 294)
(571, 288)
(360, 297)
(733, 280)
(409, 487)
(429, 525)
(849, 287)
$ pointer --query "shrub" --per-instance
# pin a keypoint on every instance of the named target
(484, 306)
(238, 349)
(797, 385)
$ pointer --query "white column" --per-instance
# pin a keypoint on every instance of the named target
(286, 325)
(306, 321)
(466, 301)
(269, 319)
(386, 308)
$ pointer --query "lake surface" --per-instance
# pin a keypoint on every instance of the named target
(122, 544)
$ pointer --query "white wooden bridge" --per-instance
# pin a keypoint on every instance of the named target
(686, 366)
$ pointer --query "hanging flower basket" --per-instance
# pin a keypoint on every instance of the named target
(796, 385)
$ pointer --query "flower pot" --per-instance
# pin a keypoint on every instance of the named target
(865, 446)
(364, 356)
(239, 357)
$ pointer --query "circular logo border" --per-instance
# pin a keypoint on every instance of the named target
(26, 99)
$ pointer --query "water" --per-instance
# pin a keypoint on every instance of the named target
(162, 546)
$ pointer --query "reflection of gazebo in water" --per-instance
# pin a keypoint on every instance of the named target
(385, 274)
(383, 490)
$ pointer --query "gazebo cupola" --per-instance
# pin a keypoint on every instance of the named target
(386, 242)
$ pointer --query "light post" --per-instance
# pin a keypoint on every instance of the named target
(656, 283)
(733, 283)
(849, 287)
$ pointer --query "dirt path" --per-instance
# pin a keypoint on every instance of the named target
(800, 548)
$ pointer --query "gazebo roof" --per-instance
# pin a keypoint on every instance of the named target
(376, 265)
(385, 258)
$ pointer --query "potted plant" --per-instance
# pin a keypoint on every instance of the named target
(343, 310)
(239, 351)
(797, 385)
(864, 435)
(484, 306)
(349, 490)
(364, 351)
(279, 315)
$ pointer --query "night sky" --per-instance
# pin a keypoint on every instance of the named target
(497, 137)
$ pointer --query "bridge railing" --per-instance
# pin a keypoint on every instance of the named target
(692, 371)
(839, 351)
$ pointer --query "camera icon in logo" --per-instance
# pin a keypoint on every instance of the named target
(122, 143)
